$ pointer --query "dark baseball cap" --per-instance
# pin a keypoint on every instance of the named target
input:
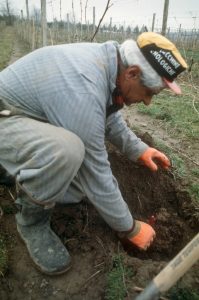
(163, 56)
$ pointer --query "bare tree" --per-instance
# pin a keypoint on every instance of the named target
(108, 5)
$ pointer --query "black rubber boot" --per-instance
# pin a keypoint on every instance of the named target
(44, 246)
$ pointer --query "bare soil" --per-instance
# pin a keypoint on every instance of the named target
(92, 244)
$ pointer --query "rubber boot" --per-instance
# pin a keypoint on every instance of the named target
(44, 246)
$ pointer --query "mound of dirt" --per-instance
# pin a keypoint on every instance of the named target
(153, 197)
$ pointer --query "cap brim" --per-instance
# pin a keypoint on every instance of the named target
(173, 86)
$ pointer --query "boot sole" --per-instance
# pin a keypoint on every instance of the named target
(38, 266)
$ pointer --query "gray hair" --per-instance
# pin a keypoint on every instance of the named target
(131, 55)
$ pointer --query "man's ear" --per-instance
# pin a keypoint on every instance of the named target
(133, 72)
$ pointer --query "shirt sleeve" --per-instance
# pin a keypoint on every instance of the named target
(120, 135)
(97, 179)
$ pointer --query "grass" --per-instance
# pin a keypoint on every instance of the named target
(117, 286)
(178, 113)
(191, 56)
(6, 45)
(195, 171)
(180, 170)
(118, 283)
(176, 161)
(194, 190)
(183, 294)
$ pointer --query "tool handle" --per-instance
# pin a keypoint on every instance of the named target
(175, 269)
(182, 262)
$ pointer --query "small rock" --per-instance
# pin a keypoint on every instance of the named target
(44, 283)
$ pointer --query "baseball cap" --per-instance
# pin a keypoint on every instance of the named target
(163, 56)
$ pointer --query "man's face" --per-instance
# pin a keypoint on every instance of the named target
(132, 88)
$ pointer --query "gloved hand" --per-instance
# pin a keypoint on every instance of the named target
(151, 154)
(141, 236)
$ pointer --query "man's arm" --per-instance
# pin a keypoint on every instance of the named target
(102, 189)
(123, 138)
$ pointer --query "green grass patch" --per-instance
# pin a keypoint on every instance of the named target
(177, 112)
(3, 256)
(194, 191)
(179, 168)
(192, 53)
(183, 294)
(195, 171)
(192, 59)
(117, 281)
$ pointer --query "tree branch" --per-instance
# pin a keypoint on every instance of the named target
(108, 5)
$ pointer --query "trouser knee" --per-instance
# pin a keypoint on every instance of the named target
(76, 151)
(70, 155)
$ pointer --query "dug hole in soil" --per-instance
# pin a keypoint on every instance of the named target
(92, 244)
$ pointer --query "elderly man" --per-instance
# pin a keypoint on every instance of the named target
(58, 104)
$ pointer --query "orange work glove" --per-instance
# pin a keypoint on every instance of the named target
(141, 236)
(152, 158)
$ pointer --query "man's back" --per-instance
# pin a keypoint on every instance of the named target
(58, 77)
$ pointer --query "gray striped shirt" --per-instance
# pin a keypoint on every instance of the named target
(71, 86)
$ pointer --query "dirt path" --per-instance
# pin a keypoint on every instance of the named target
(92, 244)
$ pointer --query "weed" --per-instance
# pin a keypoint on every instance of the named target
(195, 171)
(177, 162)
(194, 190)
(117, 278)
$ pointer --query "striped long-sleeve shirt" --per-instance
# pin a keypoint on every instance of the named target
(71, 86)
